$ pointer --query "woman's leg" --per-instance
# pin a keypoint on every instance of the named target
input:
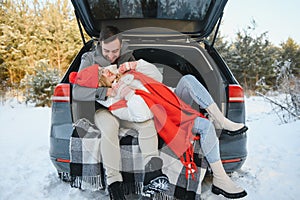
(222, 184)
(189, 89)
(208, 139)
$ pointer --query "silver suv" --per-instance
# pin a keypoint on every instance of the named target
(171, 34)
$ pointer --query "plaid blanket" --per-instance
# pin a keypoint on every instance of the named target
(87, 172)
(86, 169)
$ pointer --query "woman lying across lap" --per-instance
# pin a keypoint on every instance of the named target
(133, 107)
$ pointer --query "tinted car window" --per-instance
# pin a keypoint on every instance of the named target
(160, 9)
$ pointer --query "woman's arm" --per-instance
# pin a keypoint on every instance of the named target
(149, 69)
(144, 67)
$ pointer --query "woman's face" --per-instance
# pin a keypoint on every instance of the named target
(108, 75)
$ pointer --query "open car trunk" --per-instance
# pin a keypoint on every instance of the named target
(192, 17)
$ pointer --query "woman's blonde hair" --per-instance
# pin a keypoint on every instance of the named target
(103, 82)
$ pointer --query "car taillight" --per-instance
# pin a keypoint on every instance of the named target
(61, 93)
(236, 93)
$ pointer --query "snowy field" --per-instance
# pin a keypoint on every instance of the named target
(272, 169)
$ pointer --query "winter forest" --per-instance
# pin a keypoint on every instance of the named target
(39, 39)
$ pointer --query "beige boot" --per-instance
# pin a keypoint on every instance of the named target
(221, 122)
(222, 184)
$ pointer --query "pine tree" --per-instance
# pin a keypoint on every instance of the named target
(31, 31)
(288, 78)
(251, 58)
(290, 51)
(39, 86)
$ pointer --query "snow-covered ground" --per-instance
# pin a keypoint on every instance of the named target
(272, 169)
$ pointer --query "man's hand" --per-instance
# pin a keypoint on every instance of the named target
(110, 92)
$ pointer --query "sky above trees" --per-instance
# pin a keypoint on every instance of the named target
(278, 18)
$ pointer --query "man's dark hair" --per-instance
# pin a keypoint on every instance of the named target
(110, 33)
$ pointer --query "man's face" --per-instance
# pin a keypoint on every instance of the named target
(111, 50)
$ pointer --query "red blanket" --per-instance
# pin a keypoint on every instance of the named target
(174, 119)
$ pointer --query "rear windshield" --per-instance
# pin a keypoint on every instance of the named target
(157, 9)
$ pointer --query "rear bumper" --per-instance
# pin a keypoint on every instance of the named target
(61, 131)
(231, 165)
(233, 150)
(59, 154)
(60, 166)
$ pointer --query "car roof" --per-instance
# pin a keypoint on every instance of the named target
(193, 17)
